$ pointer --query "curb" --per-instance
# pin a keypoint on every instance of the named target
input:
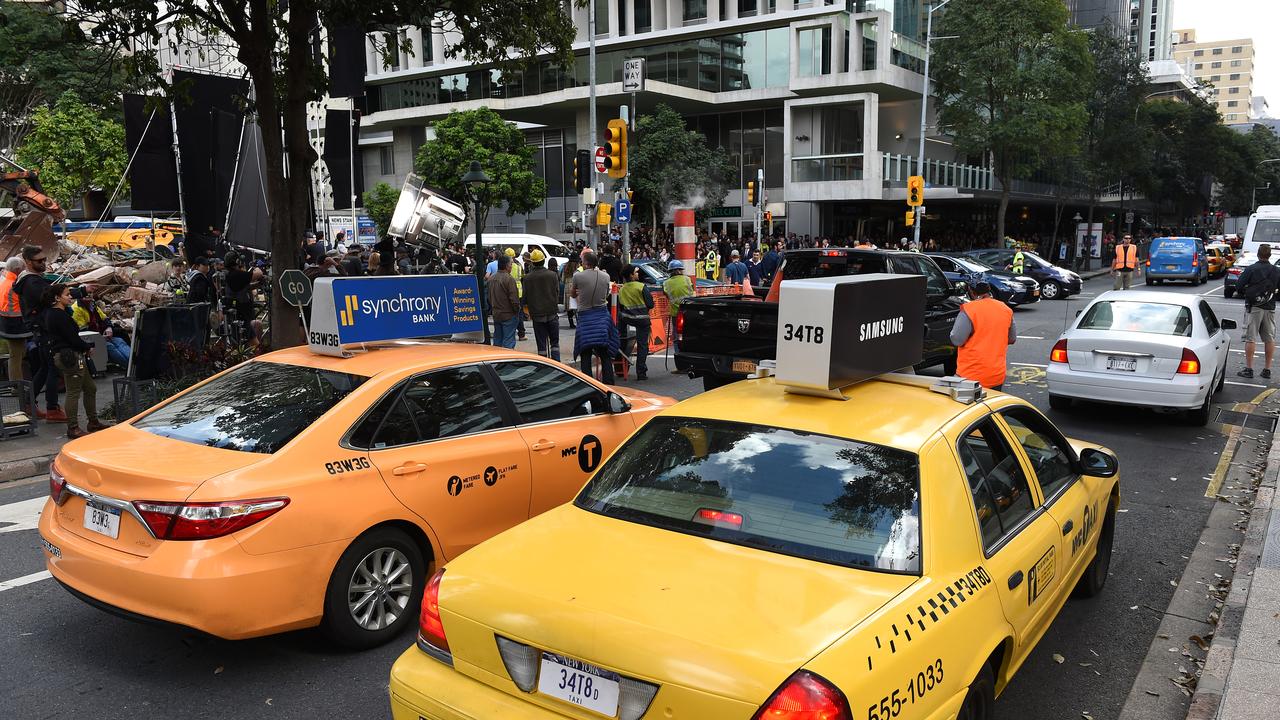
(24, 468)
(1207, 700)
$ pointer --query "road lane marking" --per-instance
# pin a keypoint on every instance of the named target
(1030, 337)
(21, 515)
(1210, 292)
(1233, 382)
(1029, 365)
(1233, 439)
(24, 580)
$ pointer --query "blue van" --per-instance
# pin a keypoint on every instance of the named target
(1177, 258)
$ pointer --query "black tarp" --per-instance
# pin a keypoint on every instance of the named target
(153, 176)
(209, 109)
(337, 156)
(164, 336)
(250, 226)
(346, 66)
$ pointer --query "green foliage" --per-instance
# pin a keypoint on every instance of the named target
(75, 149)
(1238, 185)
(1010, 82)
(380, 202)
(672, 165)
(500, 148)
(1114, 140)
(1189, 146)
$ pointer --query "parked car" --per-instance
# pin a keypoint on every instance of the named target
(1055, 283)
(1264, 227)
(654, 273)
(1177, 258)
(1005, 286)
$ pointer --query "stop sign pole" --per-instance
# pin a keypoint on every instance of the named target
(295, 289)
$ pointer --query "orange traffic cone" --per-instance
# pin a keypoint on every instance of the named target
(747, 292)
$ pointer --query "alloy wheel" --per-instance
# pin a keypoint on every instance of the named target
(380, 588)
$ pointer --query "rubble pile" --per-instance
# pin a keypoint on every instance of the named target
(123, 283)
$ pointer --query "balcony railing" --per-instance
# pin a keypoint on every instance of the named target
(938, 173)
(827, 168)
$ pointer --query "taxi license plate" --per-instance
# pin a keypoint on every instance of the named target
(744, 366)
(578, 683)
(1170, 267)
(1122, 363)
(1035, 293)
(51, 548)
(102, 519)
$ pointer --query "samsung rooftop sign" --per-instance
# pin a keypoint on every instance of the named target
(350, 311)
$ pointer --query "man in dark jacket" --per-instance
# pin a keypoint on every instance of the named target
(542, 295)
(199, 286)
(30, 287)
(504, 298)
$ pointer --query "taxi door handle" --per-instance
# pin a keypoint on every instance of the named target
(1015, 580)
(543, 445)
(1067, 528)
(409, 469)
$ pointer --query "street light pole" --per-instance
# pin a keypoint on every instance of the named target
(924, 107)
(476, 179)
(591, 78)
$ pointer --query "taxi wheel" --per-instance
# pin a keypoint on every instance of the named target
(1095, 576)
(1051, 290)
(375, 589)
(980, 698)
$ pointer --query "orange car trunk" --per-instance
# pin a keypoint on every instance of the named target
(128, 464)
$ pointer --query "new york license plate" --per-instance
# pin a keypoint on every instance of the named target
(1122, 363)
(744, 366)
(574, 681)
(102, 519)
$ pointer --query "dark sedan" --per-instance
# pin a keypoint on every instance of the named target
(1005, 286)
(654, 273)
(1055, 283)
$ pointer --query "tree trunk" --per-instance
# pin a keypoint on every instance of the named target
(1004, 208)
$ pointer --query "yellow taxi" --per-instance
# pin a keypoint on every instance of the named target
(301, 489)
(776, 549)
(1221, 258)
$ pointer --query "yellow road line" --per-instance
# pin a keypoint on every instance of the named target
(1229, 450)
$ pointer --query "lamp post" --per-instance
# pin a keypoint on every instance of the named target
(924, 104)
(1253, 195)
(476, 180)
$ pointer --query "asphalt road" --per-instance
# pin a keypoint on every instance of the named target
(64, 659)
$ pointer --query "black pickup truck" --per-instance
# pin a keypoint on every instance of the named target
(722, 338)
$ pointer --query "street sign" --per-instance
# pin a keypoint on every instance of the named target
(622, 211)
(1128, 218)
(600, 157)
(633, 75)
(295, 288)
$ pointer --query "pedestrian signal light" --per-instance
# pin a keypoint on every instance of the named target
(603, 213)
(581, 170)
(911, 218)
(915, 191)
(768, 216)
(751, 192)
(615, 148)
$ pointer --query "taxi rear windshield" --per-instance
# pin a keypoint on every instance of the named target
(812, 496)
(257, 407)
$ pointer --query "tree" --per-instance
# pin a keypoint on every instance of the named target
(380, 201)
(1189, 148)
(1114, 138)
(500, 148)
(42, 56)
(274, 41)
(1246, 187)
(671, 165)
(1008, 83)
(74, 148)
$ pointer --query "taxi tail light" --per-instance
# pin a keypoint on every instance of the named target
(805, 696)
(1190, 364)
(205, 520)
(430, 625)
(718, 518)
(57, 484)
(1059, 352)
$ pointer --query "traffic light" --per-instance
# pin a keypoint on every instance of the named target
(751, 192)
(615, 148)
(603, 213)
(581, 170)
(915, 191)
(768, 216)
(630, 194)
(911, 218)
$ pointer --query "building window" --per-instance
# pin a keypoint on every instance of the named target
(1216, 65)
(387, 160)
(1199, 53)
(1233, 91)
(1235, 63)
(1233, 103)
(602, 17)
(1234, 76)
(622, 17)
(1199, 66)
(1217, 51)
(1237, 49)
(695, 10)
(1215, 78)
(644, 16)
(1231, 116)
(815, 51)
(747, 8)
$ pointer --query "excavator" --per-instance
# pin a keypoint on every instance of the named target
(34, 212)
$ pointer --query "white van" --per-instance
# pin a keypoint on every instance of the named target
(1264, 227)
(521, 242)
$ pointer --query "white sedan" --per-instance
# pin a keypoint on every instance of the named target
(1153, 349)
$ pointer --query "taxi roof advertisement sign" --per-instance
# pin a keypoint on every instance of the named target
(348, 311)
(834, 332)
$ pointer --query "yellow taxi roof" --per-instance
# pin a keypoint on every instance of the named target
(875, 411)
(392, 356)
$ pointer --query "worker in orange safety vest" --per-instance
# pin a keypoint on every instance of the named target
(1126, 263)
(982, 334)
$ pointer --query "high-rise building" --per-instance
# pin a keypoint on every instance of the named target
(1226, 65)
(1110, 15)
(1146, 23)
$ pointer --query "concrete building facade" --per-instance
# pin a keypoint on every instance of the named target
(1227, 65)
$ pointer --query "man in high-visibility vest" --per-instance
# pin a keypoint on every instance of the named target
(1019, 260)
(983, 332)
(1126, 263)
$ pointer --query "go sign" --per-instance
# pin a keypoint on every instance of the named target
(295, 288)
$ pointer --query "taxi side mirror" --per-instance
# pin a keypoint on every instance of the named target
(618, 404)
(1227, 324)
(1098, 463)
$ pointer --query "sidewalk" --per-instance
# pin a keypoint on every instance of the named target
(1241, 675)
(30, 455)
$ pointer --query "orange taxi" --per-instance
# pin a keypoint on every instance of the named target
(299, 489)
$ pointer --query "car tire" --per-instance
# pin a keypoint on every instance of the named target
(375, 549)
(1228, 293)
(1095, 575)
(980, 698)
(1051, 290)
(1060, 402)
(1199, 417)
